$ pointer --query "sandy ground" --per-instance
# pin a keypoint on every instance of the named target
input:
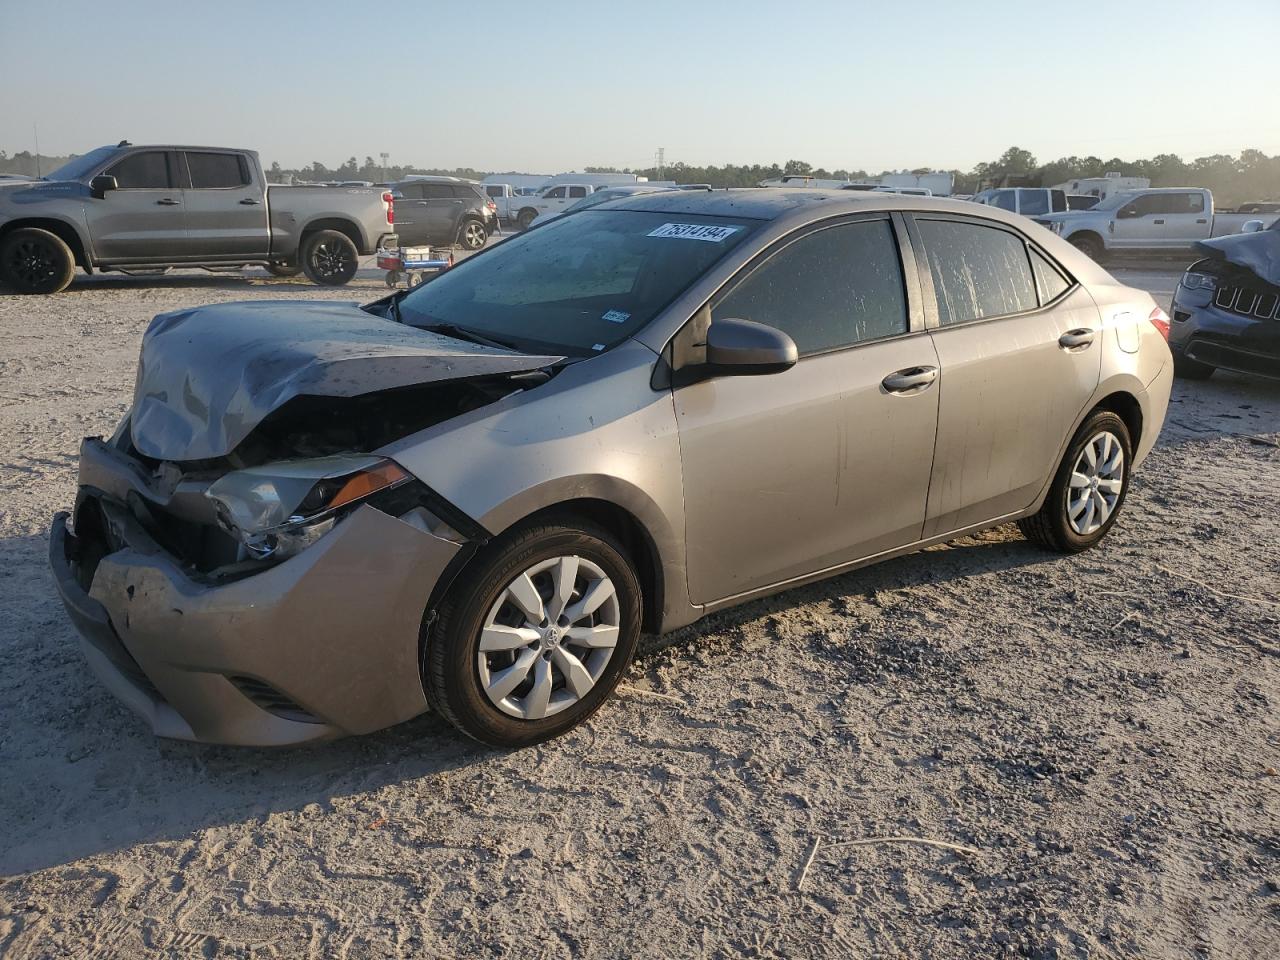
(1102, 730)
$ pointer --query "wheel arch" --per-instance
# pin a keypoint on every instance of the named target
(349, 228)
(1090, 235)
(1125, 406)
(64, 230)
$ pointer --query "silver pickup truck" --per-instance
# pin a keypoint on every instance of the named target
(146, 208)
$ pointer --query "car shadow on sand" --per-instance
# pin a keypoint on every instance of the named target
(82, 775)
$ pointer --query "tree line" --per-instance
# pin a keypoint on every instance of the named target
(1233, 178)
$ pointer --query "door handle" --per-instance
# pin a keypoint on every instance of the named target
(1076, 339)
(1158, 221)
(1202, 220)
(910, 380)
(250, 202)
(168, 202)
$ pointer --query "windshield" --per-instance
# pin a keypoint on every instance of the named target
(577, 285)
(77, 167)
(1113, 202)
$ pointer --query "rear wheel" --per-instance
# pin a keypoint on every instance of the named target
(329, 258)
(1091, 247)
(472, 234)
(1189, 369)
(282, 269)
(535, 634)
(1088, 489)
(36, 261)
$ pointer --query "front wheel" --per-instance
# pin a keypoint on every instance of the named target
(472, 234)
(526, 218)
(534, 635)
(329, 258)
(36, 261)
(1088, 489)
(1089, 246)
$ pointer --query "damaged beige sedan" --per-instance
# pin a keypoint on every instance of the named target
(319, 520)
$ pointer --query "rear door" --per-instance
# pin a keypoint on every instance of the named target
(411, 214)
(443, 210)
(1019, 350)
(144, 220)
(792, 473)
(226, 215)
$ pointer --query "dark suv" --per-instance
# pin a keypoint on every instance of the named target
(443, 210)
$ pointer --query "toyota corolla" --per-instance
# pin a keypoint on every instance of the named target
(322, 519)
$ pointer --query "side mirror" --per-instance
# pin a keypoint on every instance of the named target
(100, 184)
(1252, 226)
(744, 348)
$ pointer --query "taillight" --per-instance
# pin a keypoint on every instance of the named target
(1160, 320)
(492, 205)
(389, 199)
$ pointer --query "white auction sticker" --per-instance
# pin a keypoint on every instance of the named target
(616, 316)
(694, 231)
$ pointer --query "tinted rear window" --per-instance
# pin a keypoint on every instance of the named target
(217, 170)
(978, 271)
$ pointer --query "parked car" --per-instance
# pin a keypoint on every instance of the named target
(128, 208)
(552, 200)
(443, 210)
(1166, 221)
(1028, 201)
(1226, 308)
(476, 494)
(503, 196)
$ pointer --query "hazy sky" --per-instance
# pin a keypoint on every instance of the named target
(558, 85)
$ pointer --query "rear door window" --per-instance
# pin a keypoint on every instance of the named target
(148, 170)
(437, 191)
(215, 171)
(978, 271)
(1049, 280)
(556, 193)
(1005, 200)
(830, 288)
(577, 192)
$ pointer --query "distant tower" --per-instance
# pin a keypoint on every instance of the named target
(662, 152)
(384, 157)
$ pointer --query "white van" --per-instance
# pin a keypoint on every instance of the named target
(1028, 201)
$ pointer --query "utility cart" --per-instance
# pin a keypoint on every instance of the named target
(412, 263)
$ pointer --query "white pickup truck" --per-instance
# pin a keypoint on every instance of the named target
(1159, 221)
(548, 201)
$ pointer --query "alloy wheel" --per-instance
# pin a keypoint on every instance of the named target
(32, 263)
(1097, 480)
(328, 260)
(549, 636)
(473, 236)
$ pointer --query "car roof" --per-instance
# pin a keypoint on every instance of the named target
(774, 203)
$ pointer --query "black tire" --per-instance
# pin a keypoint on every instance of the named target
(329, 258)
(1090, 246)
(451, 664)
(282, 269)
(392, 278)
(526, 218)
(472, 234)
(415, 280)
(36, 261)
(1189, 369)
(1051, 526)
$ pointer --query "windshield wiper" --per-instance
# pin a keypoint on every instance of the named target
(462, 333)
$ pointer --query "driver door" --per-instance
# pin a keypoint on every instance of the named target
(791, 473)
(143, 220)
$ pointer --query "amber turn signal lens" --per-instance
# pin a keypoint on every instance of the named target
(360, 485)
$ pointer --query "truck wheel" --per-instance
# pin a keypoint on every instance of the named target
(1089, 246)
(472, 235)
(526, 218)
(36, 261)
(329, 258)
(282, 269)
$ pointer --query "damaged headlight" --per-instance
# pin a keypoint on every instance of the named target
(279, 509)
(1199, 281)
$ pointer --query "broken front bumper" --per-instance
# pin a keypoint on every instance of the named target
(321, 645)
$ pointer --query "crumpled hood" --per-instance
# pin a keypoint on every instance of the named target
(1259, 252)
(207, 377)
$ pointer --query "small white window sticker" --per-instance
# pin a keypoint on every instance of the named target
(616, 316)
(598, 347)
(694, 231)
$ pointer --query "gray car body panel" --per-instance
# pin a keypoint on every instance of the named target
(207, 377)
(607, 431)
(1259, 252)
(285, 214)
